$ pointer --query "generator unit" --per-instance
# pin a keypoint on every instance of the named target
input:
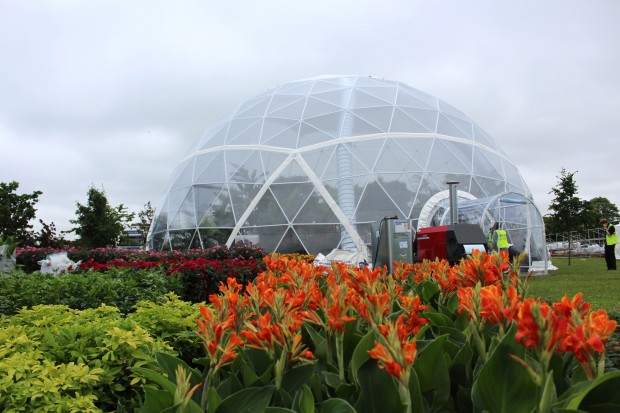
(392, 241)
(449, 242)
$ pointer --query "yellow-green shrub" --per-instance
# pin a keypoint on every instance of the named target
(53, 358)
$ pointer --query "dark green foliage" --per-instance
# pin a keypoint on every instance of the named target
(98, 223)
(568, 212)
(119, 287)
(202, 277)
(16, 212)
(598, 208)
(566, 208)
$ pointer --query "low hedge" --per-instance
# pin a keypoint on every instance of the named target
(119, 287)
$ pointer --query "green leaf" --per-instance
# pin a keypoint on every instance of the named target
(360, 355)
(336, 406)
(415, 393)
(157, 378)
(156, 400)
(250, 400)
(229, 385)
(378, 390)
(427, 290)
(170, 364)
(213, 399)
(438, 319)
(306, 400)
(248, 375)
(318, 340)
(272, 409)
(502, 382)
(297, 376)
(601, 396)
(331, 379)
(432, 371)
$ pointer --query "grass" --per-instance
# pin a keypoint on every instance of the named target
(600, 287)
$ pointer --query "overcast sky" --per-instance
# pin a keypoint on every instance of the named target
(113, 93)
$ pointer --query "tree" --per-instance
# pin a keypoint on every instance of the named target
(47, 237)
(567, 209)
(598, 208)
(99, 224)
(16, 212)
(146, 218)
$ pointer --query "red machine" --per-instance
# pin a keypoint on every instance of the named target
(449, 242)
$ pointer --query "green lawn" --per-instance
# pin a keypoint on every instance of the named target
(600, 287)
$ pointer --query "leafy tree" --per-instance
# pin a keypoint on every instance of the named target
(47, 237)
(16, 212)
(146, 218)
(598, 208)
(567, 209)
(99, 224)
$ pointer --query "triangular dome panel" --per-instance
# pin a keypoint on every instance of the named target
(291, 197)
(186, 214)
(379, 117)
(318, 159)
(290, 243)
(375, 202)
(244, 167)
(210, 168)
(386, 94)
(315, 107)
(330, 124)
(293, 111)
(442, 159)
(244, 131)
(446, 127)
(266, 212)
(253, 108)
(315, 211)
(426, 118)
(184, 176)
(310, 135)
(407, 99)
(213, 206)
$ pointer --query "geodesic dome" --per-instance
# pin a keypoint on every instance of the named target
(309, 165)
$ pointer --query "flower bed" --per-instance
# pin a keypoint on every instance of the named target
(27, 258)
(429, 337)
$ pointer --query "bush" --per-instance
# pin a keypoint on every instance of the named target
(173, 321)
(202, 277)
(119, 287)
(53, 358)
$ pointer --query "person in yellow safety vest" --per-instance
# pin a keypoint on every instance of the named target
(490, 242)
(611, 239)
(500, 240)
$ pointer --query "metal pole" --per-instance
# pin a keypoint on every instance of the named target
(454, 212)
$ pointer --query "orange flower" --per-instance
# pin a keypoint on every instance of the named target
(410, 322)
(587, 337)
(386, 361)
(575, 307)
(221, 347)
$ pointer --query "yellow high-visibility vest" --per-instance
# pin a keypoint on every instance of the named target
(611, 239)
(502, 238)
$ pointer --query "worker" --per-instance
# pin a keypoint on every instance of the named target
(491, 235)
(500, 239)
(611, 239)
